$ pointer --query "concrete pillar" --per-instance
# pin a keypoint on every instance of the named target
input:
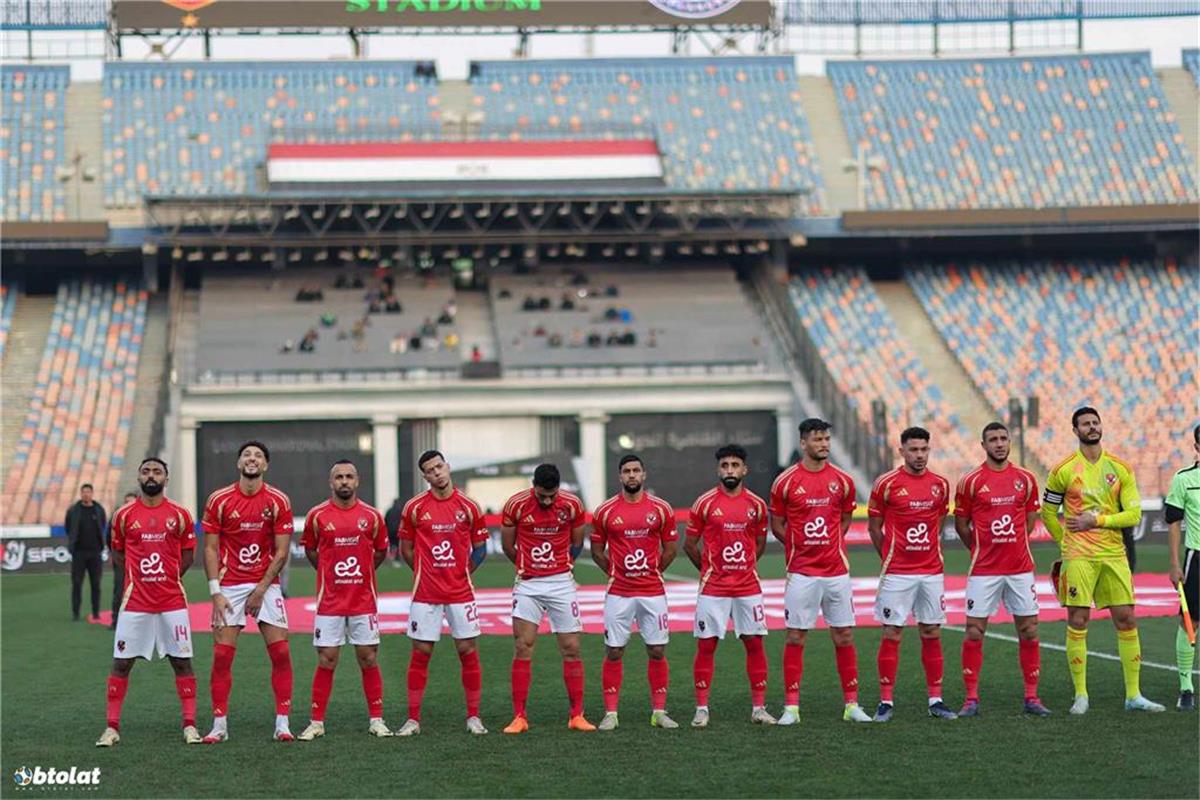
(386, 440)
(785, 433)
(593, 424)
(189, 466)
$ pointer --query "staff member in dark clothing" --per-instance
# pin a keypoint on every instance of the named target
(85, 526)
(391, 521)
(118, 573)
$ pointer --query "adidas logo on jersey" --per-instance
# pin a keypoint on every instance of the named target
(801, 490)
(902, 492)
(136, 526)
(528, 518)
(985, 489)
(329, 526)
(425, 517)
(718, 512)
(618, 521)
(234, 514)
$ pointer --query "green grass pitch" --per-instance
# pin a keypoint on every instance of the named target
(53, 679)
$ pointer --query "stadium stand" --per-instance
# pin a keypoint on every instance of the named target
(606, 318)
(202, 128)
(727, 123)
(863, 350)
(78, 424)
(252, 326)
(1078, 130)
(1117, 335)
(8, 306)
(1191, 61)
(32, 134)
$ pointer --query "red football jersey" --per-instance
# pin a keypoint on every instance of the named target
(443, 533)
(997, 503)
(346, 540)
(247, 525)
(812, 505)
(911, 507)
(729, 528)
(153, 541)
(543, 534)
(633, 534)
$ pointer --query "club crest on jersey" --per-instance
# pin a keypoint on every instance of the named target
(460, 516)
(652, 519)
(362, 523)
(121, 645)
(562, 515)
(752, 513)
(935, 490)
(268, 512)
(1019, 485)
(172, 523)
(834, 487)
(1110, 478)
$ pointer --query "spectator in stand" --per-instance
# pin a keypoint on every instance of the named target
(391, 304)
(287, 346)
(476, 354)
(428, 328)
(85, 524)
(398, 345)
(358, 332)
(576, 338)
(613, 340)
(450, 341)
(612, 291)
(529, 304)
(505, 294)
(568, 302)
(540, 330)
(309, 343)
(611, 314)
(594, 339)
(328, 319)
(629, 339)
(544, 304)
(555, 340)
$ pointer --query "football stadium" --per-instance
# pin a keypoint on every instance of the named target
(560, 331)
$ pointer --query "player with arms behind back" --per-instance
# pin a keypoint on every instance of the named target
(153, 544)
(995, 506)
(811, 506)
(726, 535)
(443, 538)
(247, 533)
(905, 515)
(541, 530)
(633, 541)
(346, 540)
(1183, 504)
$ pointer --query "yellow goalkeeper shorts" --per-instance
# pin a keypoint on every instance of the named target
(1100, 583)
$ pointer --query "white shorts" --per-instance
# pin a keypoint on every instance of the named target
(805, 595)
(141, 633)
(556, 596)
(923, 596)
(712, 616)
(1019, 592)
(273, 611)
(337, 631)
(425, 621)
(650, 613)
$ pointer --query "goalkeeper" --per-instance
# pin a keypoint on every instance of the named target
(1099, 496)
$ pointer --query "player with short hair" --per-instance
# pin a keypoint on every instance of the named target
(633, 542)
(153, 544)
(541, 531)
(1183, 504)
(443, 538)
(247, 533)
(905, 514)
(726, 535)
(995, 507)
(345, 540)
(811, 506)
(1099, 496)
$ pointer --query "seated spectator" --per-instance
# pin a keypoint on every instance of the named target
(389, 284)
(358, 332)
(414, 343)
(540, 330)
(287, 346)
(476, 354)
(328, 319)
(544, 304)
(342, 281)
(451, 308)
(568, 303)
(428, 328)
(450, 341)
(431, 342)
(444, 318)
(613, 340)
(399, 344)
(576, 338)
(555, 339)
(374, 307)
(629, 339)
(612, 291)
(579, 279)
(309, 294)
(505, 294)
(309, 343)
(392, 304)
(356, 282)
(612, 314)
(626, 316)
(529, 304)
(594, 339)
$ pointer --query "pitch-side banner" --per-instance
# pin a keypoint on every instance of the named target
(425, 162)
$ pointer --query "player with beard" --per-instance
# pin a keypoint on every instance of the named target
(153, 543)
(726, 535)
(247, 531)
(633, 542)
(1099, 497)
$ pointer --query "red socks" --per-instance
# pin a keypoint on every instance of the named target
(659, 674)
(573, 678)
(1031, 666)
(418, 676)
(322, 685)
(116, 696)
(793, 669)
(611, 674)
(889, 661)
(372, 686)
(281, 675)
(472, 680)
(847, 667)
(972, 665)
(756, 670)
(931, 659)
(520, 686)
(702, 668)
(220, 682)
(185, 687)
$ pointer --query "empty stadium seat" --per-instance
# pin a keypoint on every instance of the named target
(8, 306)
(32, 133)
(1191, 60)
(1077, 130)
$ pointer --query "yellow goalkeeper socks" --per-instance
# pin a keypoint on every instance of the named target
(1129, 646)
(1077, 659)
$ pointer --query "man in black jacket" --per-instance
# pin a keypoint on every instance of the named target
(85, 526)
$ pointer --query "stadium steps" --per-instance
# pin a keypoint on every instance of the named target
(151, 378)
(476, 325)
(1179, 86)
(187, 336)
(84, 136)
(22, 357)
(831, 143)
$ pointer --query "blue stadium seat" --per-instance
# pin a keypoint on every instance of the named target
(1191, 60)
(32, 133)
